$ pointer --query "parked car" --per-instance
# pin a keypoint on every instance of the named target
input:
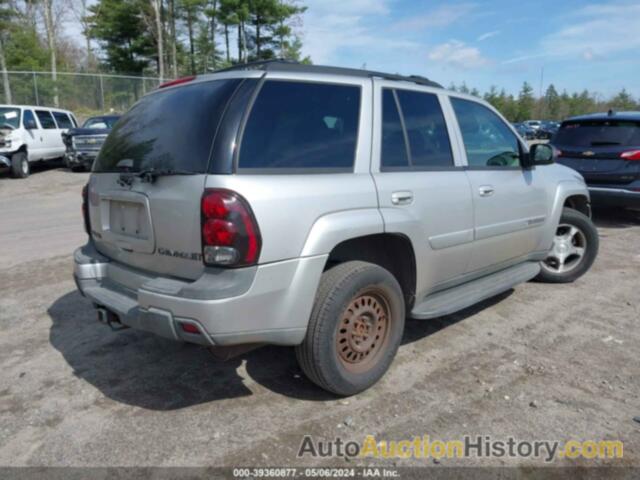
(29, 134)
(535, 124)
(547, 130)
(288, 204)
(605, 149)
(525, 131)
(83, 144)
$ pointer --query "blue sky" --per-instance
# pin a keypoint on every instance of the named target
(580, 44)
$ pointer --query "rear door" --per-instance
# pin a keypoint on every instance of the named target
(423, 191)
(50, 135)
(509, 203)
(595, 147)
(153, 223)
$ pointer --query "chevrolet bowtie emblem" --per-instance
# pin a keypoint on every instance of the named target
(588, 153)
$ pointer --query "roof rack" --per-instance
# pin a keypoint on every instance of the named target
(280, 65)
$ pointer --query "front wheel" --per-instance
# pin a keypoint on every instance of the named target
(20, 165)
(575, 247)
(355, 328)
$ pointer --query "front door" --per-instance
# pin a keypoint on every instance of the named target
(510, 204)
(423, 191)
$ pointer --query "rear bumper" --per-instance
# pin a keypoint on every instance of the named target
(614, 197)
(266, 304)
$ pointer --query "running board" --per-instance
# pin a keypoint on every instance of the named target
(457, 298)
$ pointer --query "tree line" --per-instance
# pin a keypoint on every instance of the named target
(172, 38)
(163, 38)
(553, 105)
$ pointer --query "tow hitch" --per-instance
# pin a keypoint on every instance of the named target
(109, 318)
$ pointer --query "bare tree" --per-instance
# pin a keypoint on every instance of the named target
(172, 33)
(5, 74)
(47, 7)
(80, 10)
(159, 28)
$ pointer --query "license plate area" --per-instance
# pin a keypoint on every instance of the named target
(126, 221)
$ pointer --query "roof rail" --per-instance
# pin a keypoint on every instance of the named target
(280, 65)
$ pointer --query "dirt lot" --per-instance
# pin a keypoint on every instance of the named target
(540, 362)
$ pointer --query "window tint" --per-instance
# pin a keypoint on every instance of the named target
(62, 119)
(487, 139)
(302, 125)
(394, 147)
(46, 120)
(171, 129)
(429, 144)
(595, 133)
(27, 116)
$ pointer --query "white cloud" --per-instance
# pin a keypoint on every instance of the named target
(331, 26)
(488, 35)
(593, 32)
(458, 54)
(442, 16)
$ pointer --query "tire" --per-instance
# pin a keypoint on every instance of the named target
(20, 165)
(375, 300)
(575, 233)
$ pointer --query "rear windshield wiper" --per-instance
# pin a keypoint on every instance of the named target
(150, 175)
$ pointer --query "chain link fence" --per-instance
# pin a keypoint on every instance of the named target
(85, 94)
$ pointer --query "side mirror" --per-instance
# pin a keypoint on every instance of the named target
(30, 125)
(541, 154)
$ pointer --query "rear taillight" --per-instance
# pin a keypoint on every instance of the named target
(230, 235)
(631, 155)
(85, 209)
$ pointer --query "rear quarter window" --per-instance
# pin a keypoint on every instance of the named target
(301, 125)
(62, 119)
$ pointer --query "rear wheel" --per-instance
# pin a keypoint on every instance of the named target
(575, 247)
(355, 328)
(20, 165)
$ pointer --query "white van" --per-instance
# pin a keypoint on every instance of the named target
(29, 134)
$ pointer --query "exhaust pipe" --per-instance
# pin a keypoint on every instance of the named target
(110, 319)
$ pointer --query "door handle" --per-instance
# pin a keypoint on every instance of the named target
(402, 198)
(485, 190)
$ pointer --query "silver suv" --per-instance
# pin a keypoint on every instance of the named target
(318, 207)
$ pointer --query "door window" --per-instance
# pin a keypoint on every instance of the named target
(62, 119)
(394, 147)
(302, 125)
(46, 120)
(27, 117)
(487, 139)
(429, 144)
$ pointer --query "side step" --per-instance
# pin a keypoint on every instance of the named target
(454, 299)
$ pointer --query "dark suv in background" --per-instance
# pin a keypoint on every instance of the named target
(605, 149)
(84, 143)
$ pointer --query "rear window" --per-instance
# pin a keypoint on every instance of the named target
(302, 125)
(598, 133)
(171, 129)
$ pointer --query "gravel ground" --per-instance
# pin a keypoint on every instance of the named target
(538, 362)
